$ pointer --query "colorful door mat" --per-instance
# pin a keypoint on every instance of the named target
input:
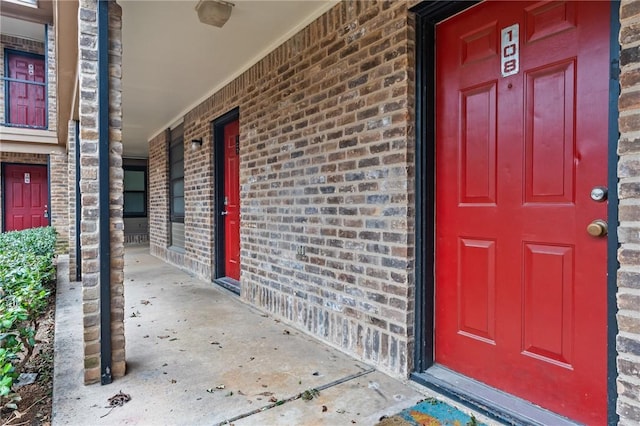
(430, 412)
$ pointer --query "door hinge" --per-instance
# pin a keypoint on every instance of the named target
(237, 144)
(615, 70)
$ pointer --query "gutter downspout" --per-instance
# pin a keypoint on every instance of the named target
(103, 155)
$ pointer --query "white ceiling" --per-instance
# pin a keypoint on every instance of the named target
(171, 62)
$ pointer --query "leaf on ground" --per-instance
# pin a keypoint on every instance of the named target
(173, 381)
(164, 337)
(175, 338)
(220, 387)
(324, 409)
(286, 332)
(273, 399)
(145, 302)
(309, 394)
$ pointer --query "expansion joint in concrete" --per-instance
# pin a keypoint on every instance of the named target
(298, 396)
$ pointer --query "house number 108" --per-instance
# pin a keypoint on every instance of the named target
(510, 50)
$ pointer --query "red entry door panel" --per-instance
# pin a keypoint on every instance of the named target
(520, 284)
(25, 197)
(27, 102)
(232, 200)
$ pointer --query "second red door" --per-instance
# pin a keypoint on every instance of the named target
(231, 203)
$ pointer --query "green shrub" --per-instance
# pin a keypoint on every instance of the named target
(26, 274)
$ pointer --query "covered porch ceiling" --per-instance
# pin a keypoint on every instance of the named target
(172, 62)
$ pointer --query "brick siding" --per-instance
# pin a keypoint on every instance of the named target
(58, 189)
(72, 206)
(326, 148)
(159, 194)
(628, 339)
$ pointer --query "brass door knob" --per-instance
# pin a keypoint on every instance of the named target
(598, 228)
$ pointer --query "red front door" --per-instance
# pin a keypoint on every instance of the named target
(27, 102)
(521, 113)
(232, 200)
(26, 196)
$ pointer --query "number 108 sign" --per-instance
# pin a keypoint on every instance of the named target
(510, 50)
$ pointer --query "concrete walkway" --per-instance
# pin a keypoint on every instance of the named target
(196, 354)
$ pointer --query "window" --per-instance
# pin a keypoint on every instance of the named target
(176, 187)
(135, 191)
(176, 156)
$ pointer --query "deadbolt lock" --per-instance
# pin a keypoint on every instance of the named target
(599, 193)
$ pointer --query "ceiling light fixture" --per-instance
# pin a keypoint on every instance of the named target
(214, 12)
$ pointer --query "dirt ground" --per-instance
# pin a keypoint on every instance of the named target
(35, 407)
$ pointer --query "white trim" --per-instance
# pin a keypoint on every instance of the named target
(31, 148)
(326, 6)
(26, 135)
(173, 125)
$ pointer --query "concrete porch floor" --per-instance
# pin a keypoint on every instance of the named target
(186, 338)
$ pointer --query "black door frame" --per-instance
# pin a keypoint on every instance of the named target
(219, 274)
(478, 396)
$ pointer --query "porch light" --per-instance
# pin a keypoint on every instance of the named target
(196, 143)
(214, 12)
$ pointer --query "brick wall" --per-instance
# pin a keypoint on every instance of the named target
(159, 194)
(628, 340)
(326, 148)
(37, 47)
(52, 86)
(89, 187)
(58, 188)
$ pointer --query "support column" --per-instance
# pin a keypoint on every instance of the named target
(90, 165)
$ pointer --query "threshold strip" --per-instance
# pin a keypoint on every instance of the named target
(298, 396)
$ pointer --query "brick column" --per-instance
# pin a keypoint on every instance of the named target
(628, 339)
(116, 188)
(89, 188)
(59, 199)
(71, 173)
(159, 194)
(52, 88)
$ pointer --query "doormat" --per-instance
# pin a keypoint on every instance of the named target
(430, 412)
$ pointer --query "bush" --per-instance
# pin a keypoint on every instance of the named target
(26, 274)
